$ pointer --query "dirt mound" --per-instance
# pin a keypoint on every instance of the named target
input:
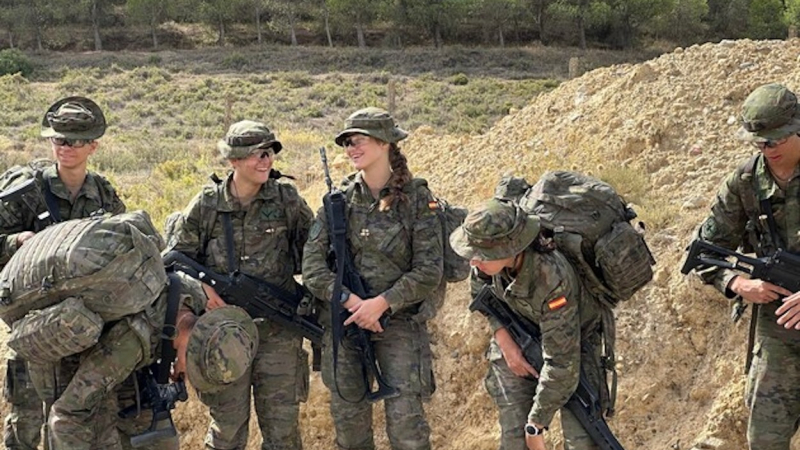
(662, 131)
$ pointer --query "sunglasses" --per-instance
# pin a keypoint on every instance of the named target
(267, 152)
(350, 142)
(74, 143)
(769, 143)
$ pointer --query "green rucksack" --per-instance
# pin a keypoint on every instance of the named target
(113, 264)
(591, 225)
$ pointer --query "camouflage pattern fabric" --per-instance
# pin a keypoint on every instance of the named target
(221, 348)
(773, 401)
(83, 411)
(568, 327)
(374, 122)
(769, 112)
(74, 118)
(22, 424)
(247, 137)
(268, 240)
(405, 266)
(545, 289)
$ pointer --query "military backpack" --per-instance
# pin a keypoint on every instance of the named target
(112, 264)
(591, 225)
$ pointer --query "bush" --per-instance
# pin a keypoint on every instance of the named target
(14, 61)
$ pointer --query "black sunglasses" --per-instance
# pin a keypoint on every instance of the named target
(74, 143)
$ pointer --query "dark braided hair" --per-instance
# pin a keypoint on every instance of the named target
(400, 177)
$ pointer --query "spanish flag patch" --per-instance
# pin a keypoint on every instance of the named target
(557, 303)
(433, 205)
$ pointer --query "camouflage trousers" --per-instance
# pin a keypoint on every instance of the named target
(404, 357)
(514, 395)
(83, 415)
(279, 380)
(22, 425)
(772, 383)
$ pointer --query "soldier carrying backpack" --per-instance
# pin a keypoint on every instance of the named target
(560, 255)
(108, 301)
(54, 192)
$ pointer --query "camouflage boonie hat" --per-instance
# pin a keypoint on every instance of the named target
(499, 229)
(74, 118)
(245, 138)
(770, 112)
(221, 348)
(373, 122)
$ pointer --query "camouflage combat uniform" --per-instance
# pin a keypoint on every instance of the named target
(547, 291)
(736, 220)
(84, 415)
(401, 259)
(268, 239)
(23, 423)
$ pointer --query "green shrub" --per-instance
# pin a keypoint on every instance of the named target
(235, 60)
(14, 61)
(459, 79)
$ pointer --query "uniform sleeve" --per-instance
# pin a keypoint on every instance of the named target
(192, 294)
(186, 237)
(302, 217)
(317, 277)
(426, 263)
(724, 227)
(561, 350)
(116, 204)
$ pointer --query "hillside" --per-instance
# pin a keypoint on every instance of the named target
(662, 132)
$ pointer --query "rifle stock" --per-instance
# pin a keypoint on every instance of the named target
(29, 193)
(584, 403)
(259, 298)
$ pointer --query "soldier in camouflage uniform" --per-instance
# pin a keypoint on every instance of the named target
(761, 194)
(525, 270)
(395, 238)
(270, 223)
(213, 351)
(73, 126)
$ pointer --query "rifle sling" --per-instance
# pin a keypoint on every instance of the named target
(51, 201)
(169, 332)
(227, 226)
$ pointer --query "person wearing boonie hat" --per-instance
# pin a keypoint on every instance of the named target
(72, 125)
(512, 253)
(268, 221)
(757, 209)
(83, 413)
(396, 239)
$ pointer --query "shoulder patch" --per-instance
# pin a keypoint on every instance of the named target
(557, 303)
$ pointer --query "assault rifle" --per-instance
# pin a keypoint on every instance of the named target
(335, 205)
(782, 268)
(584, 403)
(30, 194)
(259, 298)
(161, 399)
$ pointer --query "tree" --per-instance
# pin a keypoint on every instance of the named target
(681, 21)
(151, 12)
(359, 13)
(497, 15)
(766, 19)
(793, 13)
(218, 13)
(432, 17)
(575, 12)
(290, 10)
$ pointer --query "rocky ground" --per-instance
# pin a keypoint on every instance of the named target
(662, 132)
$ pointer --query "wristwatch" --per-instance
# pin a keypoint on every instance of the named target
(343, 297)
(533, 430)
